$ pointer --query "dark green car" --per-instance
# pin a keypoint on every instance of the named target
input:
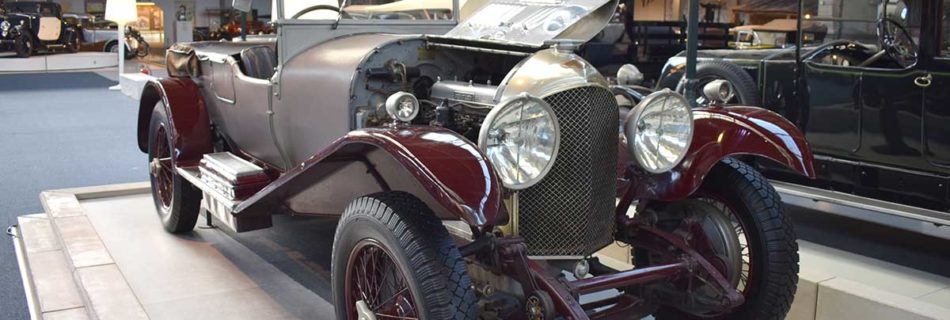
(874, 105)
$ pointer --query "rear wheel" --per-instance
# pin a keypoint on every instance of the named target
(142, 50)
(393, 259)
(176, 200)
(23, 45)
(72, 42)
(742, 230)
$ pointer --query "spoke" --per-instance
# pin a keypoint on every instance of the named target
(376, 308)
(381, 283)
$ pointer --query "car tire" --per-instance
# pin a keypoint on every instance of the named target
(23, 45)
(746, 91)
(72, 43)
(769, 238)
(177, 202)
(409, 243)
(111, 47)
(114, 48)
(142, 51)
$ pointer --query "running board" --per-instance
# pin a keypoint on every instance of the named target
(910, 218)
(221, 206)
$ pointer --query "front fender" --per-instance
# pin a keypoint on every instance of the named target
(450, 172)
(187, 118)
(722, 132)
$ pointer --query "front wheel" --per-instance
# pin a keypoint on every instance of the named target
(742, 229)
(176, 200)
(393, 259)
(23, 45)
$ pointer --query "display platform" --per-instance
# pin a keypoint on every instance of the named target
(100, 253)
(58, 62)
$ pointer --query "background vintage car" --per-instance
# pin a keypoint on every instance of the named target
(873, 105)
(28, 26)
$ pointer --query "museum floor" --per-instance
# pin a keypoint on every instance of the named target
(65, 130)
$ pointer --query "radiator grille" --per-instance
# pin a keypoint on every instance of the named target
(570, 212)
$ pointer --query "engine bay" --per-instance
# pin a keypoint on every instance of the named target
(455, 88)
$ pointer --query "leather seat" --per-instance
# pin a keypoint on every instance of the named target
(259, 62)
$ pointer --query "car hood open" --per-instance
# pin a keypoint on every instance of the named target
(532, 23)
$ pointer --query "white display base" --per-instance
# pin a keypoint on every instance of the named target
(59, 62)
(132, 84)
(101, 253)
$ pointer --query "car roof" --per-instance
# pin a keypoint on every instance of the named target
(22, 5)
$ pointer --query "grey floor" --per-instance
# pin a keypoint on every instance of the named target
(57, 130)
(61, 130)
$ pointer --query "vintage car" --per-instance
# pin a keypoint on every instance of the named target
(876, 114)
(28, 26)
(475, 173)
(103, 35)
(778, 33)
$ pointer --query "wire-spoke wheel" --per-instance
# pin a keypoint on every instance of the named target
(393, 259)
(376, 285)
(176, 200)
(736, 221)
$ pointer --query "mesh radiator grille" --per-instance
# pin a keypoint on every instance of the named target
(570, 212)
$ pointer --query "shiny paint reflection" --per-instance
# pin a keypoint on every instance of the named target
(451, 169)
(722, 132)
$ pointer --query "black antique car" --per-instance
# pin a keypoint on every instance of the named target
(28, 26)
(877, 115)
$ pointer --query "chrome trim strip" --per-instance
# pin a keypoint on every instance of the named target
(824, 200)
(878, 166)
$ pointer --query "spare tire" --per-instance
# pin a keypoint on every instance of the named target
(745, 88)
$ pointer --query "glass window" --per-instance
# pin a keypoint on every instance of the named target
(745, 37)
(370, 9)
(47, 11)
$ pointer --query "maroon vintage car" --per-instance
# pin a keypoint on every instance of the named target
(476, 168)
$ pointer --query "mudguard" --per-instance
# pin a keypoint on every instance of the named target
(450, 171)
(187, 117)
(727, 131)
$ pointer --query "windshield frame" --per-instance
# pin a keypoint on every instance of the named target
(282, 20)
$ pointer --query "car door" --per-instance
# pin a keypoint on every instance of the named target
(244, 103)
(834, 113)
(892, 102)
(50, 26)
(891, 106)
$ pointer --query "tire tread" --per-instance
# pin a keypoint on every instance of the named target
(433, 256)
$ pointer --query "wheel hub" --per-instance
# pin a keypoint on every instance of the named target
(363, 311)
(155, 166)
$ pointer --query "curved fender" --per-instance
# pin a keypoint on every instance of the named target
(450, 169)
(187, 117)
(729, 131)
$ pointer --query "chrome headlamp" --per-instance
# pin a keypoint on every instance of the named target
(520, 137)
(402, 106)
(4, 28)
(659, 131)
